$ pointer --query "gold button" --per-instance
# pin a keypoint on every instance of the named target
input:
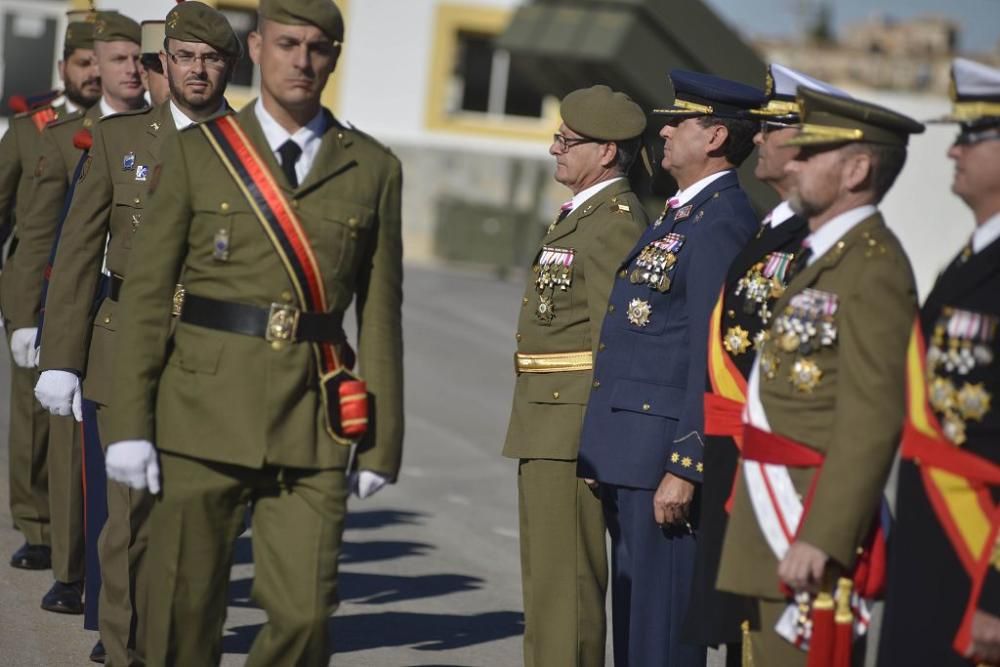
(137, 201)
(645, 407)
(517, 337)
(601, 347)
(555, 394)
(524, 300)
(107, 320)
(286, 296)
(622, 273)
(597, 383)
(354, 234)
(611, 308)
(353, 222)
(276, 344)
(340, 135)
(224, 206)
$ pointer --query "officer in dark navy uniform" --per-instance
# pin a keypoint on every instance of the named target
(756, 278)
(641, 444)
(943, 595)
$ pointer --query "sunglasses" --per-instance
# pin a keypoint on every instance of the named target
(970, 137)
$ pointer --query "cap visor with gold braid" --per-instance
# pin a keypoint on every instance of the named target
(781, 85)
(975, 94)
(830, 120)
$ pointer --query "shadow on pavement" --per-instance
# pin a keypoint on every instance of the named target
(423, 632)
(364, 552)
(369, 519)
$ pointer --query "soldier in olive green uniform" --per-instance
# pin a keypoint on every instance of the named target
(34, 467)
(232, 399)
(106, 212)
(825, 394)
(564, 571)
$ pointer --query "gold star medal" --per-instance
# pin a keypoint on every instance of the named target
(737, 340)
(545, 310)
(639, 311)
(942, 394)
(954, 428)
(805, 375)
(973, 401)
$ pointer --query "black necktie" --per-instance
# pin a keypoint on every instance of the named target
(290, 153)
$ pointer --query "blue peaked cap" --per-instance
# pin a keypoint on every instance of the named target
(700, 94)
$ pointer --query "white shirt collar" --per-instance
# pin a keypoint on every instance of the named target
(779, 214)
(689, 193)
(986, 233)
(309, 138)
(584, 195)
(181, 119)
(106, 109)
(827, 236)
(70, 107)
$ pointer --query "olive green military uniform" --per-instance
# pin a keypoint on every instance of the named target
(108, 199)
(20, 296)
(236, 418)
(840, 393)
(29, 423)
(564, 570)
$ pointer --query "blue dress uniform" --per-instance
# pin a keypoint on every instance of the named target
(644, 416)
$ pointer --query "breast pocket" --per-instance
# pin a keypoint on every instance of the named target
(126, 215)
(345, 232)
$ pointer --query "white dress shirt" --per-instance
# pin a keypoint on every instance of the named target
(986, 233)
(584, 195)
(781, 213)
(691, 191)
(309, 138)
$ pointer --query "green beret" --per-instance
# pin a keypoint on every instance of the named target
(323, 14)
(832, 120)
(601, 113)
(197, 22)
(79, 32)
(153, 34)
(115, 27)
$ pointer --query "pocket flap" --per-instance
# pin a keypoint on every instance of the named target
(354, 216)
(570, 388)
(106, 318)
(132, 196)
(647, 398)
(198, 354)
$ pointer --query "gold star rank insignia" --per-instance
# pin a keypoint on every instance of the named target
(737, 340)
(675, 457)
(686, 461)
(805, 375)
(639, 311)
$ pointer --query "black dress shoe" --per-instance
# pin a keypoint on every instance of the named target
(32, 557)
(97, 654)
(64, 598)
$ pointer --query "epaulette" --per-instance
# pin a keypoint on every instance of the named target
(66, 118)
(130, 112)
(40, 117)
(616, 206)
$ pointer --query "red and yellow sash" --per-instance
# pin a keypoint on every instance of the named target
(724, 404)
(957, 483)
(284, 229)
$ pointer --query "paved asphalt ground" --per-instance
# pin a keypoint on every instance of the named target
(429, 572)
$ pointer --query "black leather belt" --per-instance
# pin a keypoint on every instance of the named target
(280, 322)
(115, 287)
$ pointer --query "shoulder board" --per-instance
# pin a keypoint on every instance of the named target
(67, 118)
(120, 114)
(364, 136)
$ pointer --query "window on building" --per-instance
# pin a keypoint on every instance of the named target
(28, 44)
(482, 80)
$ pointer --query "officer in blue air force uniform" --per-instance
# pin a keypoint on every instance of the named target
(642, 436)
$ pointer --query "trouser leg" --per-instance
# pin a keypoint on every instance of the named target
(27, 465)
(65, 464)
(564, 565)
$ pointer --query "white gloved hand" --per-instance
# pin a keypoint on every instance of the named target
(22, 346)
(59, 393)
(366, 483)
(133, 463)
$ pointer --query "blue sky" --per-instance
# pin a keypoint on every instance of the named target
(979, 20)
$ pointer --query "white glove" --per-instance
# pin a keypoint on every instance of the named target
(133, 463)
(366, 483)
(59, 393)
(22, 346)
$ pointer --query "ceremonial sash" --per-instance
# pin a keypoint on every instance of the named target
(957, 483)
(724, 404)
(348, 419)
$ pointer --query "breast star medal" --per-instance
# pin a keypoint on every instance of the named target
(545, 310)
(737, 340)
(805, 375)
(942, 394)
(639, 311)
(973, 401)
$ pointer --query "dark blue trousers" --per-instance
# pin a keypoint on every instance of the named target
(96, 500)
(650, 585)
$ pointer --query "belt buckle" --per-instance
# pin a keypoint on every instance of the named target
(282, 323)
(177, 304)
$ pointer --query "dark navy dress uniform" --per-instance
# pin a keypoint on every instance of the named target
(644, 417)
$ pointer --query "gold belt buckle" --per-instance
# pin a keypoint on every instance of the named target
(282, 323)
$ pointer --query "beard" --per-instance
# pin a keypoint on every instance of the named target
(197, 103)
(800, 205)
(74, 93)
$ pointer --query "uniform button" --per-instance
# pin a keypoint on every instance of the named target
(353, 222)
(224, 206)
(597, 383)
(732, 314)
(524, 300)
(276, 344)
(517, 337)
(137, 201)
(555, 394)
(645, 407)
(107, 320)
(601, 347)
(611, 308)
(340, 135)
(354, 234)
(286, 296)
(622, 273)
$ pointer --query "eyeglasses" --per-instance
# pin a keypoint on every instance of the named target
(565, 143)
(768, 126)
(970, 138)
(209, 60)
